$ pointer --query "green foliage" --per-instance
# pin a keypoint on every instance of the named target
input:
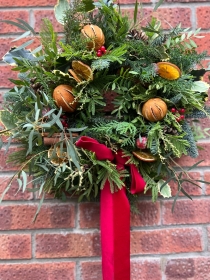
(129, 68)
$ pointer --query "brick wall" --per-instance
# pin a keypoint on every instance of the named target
(64, 243)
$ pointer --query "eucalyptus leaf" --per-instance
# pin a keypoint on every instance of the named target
(60, 9)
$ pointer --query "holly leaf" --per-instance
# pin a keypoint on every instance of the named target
(164, 188)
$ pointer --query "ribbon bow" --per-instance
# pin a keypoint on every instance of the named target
(114, 214)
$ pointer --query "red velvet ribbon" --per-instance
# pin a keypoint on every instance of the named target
(114, 214)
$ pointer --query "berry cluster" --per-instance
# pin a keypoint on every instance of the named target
(64, 121)
(101, 51)
(179, 114)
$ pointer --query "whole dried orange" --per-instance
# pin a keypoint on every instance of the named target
(95, 36)
(168, 71)
(64, 98)
(154, 109)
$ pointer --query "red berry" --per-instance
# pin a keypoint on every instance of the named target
(182, 117)
(99, 53)
(182, 111)
(173, 110)
(178, 119)
(102, 48)
(141, 143)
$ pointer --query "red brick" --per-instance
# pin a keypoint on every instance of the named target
(12, 193)
(187, 212)
(149, 214)
(27, 3)
(191, 189)
(68, 245)
(91, 271)
(166, 241)
(50, 216)
(15, 246)
(208, 232)
(42, 271)
(203, 14)
(40, 14)
(145, 270)
(141, 270)
(168, 16)
(5, 74)
(204, 155)
(207, 186)
(6, 28)
(203, 43)
(89, 215)
(197, 268)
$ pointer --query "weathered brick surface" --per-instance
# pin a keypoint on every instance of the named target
(5, 74)
(39, 15)
(50, 216)
(89, 215)
(140, 270)
(187, 212)
(166, 241)
(6, 28)
(148, 214)
(197, 268)
(68, 245)
(155, 230)
(145, 270)
(203, 43)
(190, 188)
(202, 14)
(204, 154)
(15, 246)
(41, 271)
(168, 16)
(207, 186)
(27, 3)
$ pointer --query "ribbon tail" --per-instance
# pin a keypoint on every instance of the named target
(115, 234)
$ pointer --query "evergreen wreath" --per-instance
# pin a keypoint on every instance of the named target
(132, 88)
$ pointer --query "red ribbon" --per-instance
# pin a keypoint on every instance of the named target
(114, 214)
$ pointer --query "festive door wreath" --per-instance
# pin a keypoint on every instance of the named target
(105, 108)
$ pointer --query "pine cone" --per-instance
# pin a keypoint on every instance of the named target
(170, 130)
(137, 35)
(36, 86)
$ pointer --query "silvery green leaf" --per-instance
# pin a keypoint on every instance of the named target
(165, 191)
(17, 53)
(60, 9)
(200, 86)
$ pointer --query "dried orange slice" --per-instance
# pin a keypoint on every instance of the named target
(82, 70)
(144, 156)
(168, 71)
(77, 79)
